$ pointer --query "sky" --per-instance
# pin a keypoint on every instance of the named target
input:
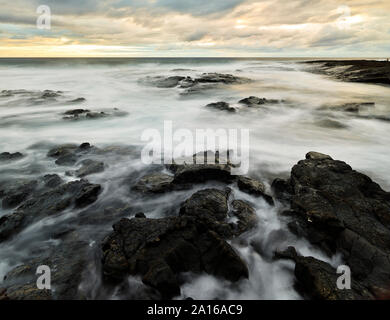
(195, 28)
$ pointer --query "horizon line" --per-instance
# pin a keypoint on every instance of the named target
(195, 57)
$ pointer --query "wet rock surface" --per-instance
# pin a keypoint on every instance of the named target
(342, 210)
(160, 249)
(324, 200)
(253, 187)
(318, 279)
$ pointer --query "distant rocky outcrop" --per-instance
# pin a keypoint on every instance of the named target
(191, 85)
(367, 71)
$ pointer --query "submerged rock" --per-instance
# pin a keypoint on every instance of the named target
(169, 82)
(77, 100)
(76, 112)
(50, 94)
(6, 156)
(353, 107)
(67, 160)
(68, 263)
(85, 114)
(69, 154)
(331, 123)
(89, 166)
(160, 249)
(77, 193)
(154, 183)
(255, 101)
(221, 106)
(17, 192)
(62, 150)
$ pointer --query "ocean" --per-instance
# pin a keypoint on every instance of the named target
(303, 120)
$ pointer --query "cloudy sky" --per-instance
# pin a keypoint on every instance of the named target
(261, 28)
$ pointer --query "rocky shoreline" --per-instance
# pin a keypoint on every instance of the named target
(365, 71)
(324, 201)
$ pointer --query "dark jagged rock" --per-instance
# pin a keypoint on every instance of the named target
(87, 195)
(85, 146)
(140, 215)
(253, 187)
(318, 279)
(289, 253)
(198, 173)
(255, 101)
(78, 193)
(6, 156)
(342, 210)
(160, 249)
(154, 183)
(282, 190)
(367, 71)
(312, 155)
(211, 204)
(246, 215)
(224, 106)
